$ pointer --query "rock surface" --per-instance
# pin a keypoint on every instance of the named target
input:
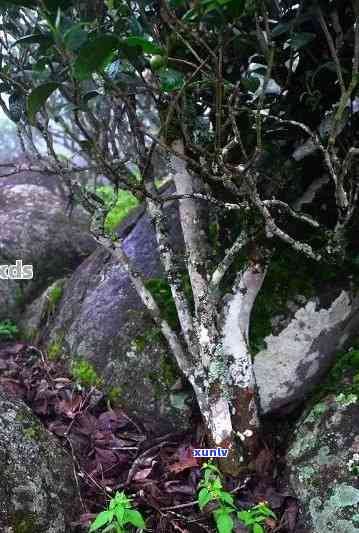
(35, 229)
(298, 356)
(323, 464)
(37, 488)
(101, 319)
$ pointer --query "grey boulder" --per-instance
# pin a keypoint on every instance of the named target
(101, 319)
(323, 465)
(297, 358)
(37, 486)
(35, 229)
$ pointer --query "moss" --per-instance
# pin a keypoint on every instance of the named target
(114, 395)
(54, 351)
(161, 291)
(32, 433)
(55, 295)
(8, 330)
(28, 335)
(287, 278)
(30, 428)
(316, 412)
(23, 522)
(85, 374)
(120, 207)
(152, 335)
(163, 380)
(346, 390)
(169, 370)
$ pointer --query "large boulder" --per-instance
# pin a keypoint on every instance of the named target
(35, 229)
(298, 356)
(323, 465)
(37, 487)
(101, 319)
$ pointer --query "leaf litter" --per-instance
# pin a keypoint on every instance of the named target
(112, 451)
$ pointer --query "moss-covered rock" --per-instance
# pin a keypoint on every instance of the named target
(37, 489)
(101, 319)
(323, 463)
(38, 314)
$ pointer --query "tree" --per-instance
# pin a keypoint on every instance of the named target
(240, 95)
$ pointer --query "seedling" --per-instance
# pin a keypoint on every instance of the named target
(118, 514)
(211, 490)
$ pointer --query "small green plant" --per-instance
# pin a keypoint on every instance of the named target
(114, 395)
(211, 490)
(254, 517)
(8, 330)
(54, 349)
(85, 374)
(55, 295)
(118, 514)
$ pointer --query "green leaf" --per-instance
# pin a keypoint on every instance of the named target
(94, 55)
(300, 40)
(110, 527)
(224, 521)
(250, 84)
(147, 46)
(135, 518)
(38, 97)
(226, 497)
(258, 528)
(245, 517)
(171, 80)
(36, 38)
(204, 497)
(119, 511)
(281, 28)
(101, 519)
(75, 37)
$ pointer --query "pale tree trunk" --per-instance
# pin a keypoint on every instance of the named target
(223, 377)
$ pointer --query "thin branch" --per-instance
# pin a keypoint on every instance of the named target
(332, 49)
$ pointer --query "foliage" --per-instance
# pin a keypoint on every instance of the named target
(8, 330)
(120, 206)
(346, 362)
(54, 350)
(55, 295)
(161, 291)
(114, 395)
(119, 513)
(215, 84)
(85, 374)
(255, 517)
(211, 490)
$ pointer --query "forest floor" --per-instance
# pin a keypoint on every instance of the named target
(113, 452)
